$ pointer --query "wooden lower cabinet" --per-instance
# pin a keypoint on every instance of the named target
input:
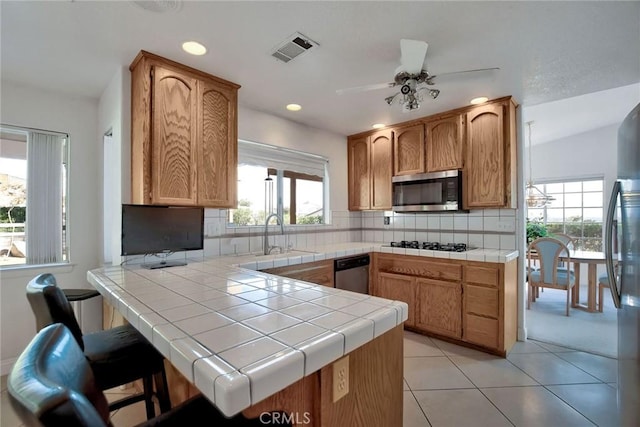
(468, 302)
(439, 307)
(400, 288)
(319, 272)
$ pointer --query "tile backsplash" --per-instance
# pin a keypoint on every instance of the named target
(487, 228)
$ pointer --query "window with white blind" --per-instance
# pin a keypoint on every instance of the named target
(33, 196)
(273, 179)
(578, 210)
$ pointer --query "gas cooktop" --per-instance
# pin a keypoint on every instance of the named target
(434, 246)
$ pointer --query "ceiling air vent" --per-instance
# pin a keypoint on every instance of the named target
(295, 45)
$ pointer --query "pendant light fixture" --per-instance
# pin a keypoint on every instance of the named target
(534, 197)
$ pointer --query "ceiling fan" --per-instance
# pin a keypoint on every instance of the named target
(411, 76)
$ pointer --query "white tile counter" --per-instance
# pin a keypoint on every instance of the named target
(241, 335)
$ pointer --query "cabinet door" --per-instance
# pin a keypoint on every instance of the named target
(218, 145)
(444, 144)
(439, 307)
(399, 288)
(408, 150)
(174, 135)
(381, 169)
(485, 163)
(359, 173)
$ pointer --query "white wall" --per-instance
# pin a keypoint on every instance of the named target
(583, 155)
(37, 108)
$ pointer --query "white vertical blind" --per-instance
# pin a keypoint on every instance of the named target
(43, 224)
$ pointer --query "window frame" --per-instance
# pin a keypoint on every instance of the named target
(66, 247)
(542, 185)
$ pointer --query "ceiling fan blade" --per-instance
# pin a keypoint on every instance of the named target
(465, 71)
(365, 88)
(413, 53)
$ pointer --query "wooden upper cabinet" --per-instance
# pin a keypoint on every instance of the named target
(183, 135)
(217, 158)
(370, 170)
(408, 150)
(173, 142)
(359, 171)
(490, 155)
(444, 143)
(381, 158)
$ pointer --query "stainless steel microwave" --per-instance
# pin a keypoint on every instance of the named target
(428, 192)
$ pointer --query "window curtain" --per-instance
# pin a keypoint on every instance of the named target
(44, 198)
(257, 154)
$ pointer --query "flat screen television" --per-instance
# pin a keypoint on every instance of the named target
(151, 229)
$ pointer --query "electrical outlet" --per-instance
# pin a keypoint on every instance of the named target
(340, 378)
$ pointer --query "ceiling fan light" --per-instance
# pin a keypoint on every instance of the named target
(294, 107)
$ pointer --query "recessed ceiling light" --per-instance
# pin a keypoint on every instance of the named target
(479, 100)
(194, 48)
(378, 126)
(294, 107)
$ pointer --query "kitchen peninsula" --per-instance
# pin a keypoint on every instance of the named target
(243, 336)
(252, 341)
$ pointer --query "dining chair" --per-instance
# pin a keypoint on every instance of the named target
(117, 356)
(603, 282)
(547, 251)
(52, 384)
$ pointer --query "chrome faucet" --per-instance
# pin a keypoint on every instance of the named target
(267, 248)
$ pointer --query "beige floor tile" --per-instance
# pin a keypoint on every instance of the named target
(129, 415)
(412, 415)
(534, 406)
(492, 371)
(455, 350)
(432, 373)
(603, 368)
(548, 368)
(595, 401)
(8, 417)
(418, 345)
(459, 408)
(551, 347)
(527, 347)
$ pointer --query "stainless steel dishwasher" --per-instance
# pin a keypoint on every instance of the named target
(352, 273)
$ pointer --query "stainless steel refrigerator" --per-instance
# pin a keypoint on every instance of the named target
(622, 245)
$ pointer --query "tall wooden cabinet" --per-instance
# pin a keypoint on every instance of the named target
(183, 135)
(369, 171)
(489, 174)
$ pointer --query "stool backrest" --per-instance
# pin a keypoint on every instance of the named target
(50, 305)
(52, 384)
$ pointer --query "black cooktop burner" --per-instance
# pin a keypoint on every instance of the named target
(434, 246)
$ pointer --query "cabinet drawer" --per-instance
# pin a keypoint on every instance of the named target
(418, 267)
(481, 330)
(481, 275)
(482, 301)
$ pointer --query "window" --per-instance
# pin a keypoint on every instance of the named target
(33, 195)
(278, 180)
(578, 210)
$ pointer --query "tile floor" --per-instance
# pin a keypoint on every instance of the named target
(451, 386)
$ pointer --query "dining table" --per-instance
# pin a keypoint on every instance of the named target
(592, 259)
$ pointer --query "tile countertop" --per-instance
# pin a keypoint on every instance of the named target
(241, 335)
